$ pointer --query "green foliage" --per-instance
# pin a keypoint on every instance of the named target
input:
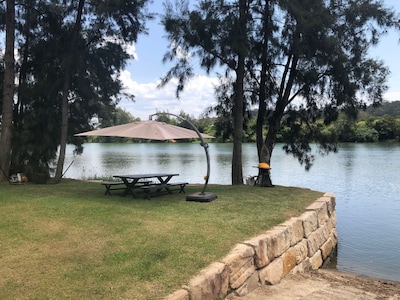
(364, 133)
(386, 127)
(44, 30)
(369, 127)
(387, 108)
(305, 62)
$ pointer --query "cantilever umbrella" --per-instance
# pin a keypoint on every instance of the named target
(151, 130)
(154, 130)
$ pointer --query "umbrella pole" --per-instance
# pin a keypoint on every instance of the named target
(202, 196)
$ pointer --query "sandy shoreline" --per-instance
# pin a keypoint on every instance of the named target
(326, 284)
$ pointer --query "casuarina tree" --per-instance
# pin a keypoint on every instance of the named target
(299, 62)
(6, 130)
(70, 54)
(215, 32)
(311, 63)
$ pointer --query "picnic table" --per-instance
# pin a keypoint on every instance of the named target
(146, 183)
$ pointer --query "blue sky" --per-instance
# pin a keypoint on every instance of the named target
(142, 75)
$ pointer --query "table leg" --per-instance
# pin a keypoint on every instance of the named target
(129, 187)
(165, 181)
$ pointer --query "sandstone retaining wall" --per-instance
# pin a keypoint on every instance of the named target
(295, 246)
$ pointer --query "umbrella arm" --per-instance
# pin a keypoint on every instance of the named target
(202, 196)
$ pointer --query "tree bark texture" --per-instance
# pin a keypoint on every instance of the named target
(8, 96)
(238, 107)
(66, 87)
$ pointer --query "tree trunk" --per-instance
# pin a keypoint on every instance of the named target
(262, 109)
(8, 96)
(66, 87)
(238, 107)
(262, 100)
(237, 172)
(281, 104)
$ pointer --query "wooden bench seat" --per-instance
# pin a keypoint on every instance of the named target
(112, 186)
(116, 185)
(156, 187)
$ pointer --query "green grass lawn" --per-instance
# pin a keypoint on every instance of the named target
(70, 241)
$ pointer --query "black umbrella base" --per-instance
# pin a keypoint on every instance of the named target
(202, 197)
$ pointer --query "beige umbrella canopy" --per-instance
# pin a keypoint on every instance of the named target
(151, 130)
(155, 130)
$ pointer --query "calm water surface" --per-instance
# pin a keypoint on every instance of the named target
(364, 177)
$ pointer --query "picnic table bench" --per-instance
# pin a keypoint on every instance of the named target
(119, 185)
(167, 186)
(134, 182)
(112, 186)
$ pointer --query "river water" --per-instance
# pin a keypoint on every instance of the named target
(364, 177)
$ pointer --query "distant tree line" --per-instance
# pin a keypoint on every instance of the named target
(373, 124)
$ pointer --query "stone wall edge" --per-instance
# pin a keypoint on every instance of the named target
(243, 270)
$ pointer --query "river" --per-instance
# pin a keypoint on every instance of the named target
(364, 177)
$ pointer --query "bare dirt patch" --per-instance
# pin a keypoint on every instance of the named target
(327, 284)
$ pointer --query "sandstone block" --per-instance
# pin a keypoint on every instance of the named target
(332, 202)
(327, 248)
(321, 209)
(296, 230)
(250, 285)
(325, 230)
(289, 261)
(334, 238)
(179, 295)
(239, 278)
(278, 241)
(301, 268)
(240, 264)
(301, 251)
(238, 256)
(272, 274)
(310, 222)
(211, 283)
(259, 245)
(316, 260)
(315, 241)
(333, 219)
(329, 224)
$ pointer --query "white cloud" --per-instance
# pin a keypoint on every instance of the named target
(131, 50)
(198, 95)
(392, 95)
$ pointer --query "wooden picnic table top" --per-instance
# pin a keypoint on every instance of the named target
(149, 175)
(133, 180)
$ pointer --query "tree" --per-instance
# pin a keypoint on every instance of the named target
(317, 65)
(63, 60)
(303, 61)
(67, 66)
(215, 33)
(8, 93)
(386, 127)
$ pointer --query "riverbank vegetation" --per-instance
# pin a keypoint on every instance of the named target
(69, 241)
(373, 124)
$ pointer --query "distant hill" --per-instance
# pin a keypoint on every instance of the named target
(387, 108)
